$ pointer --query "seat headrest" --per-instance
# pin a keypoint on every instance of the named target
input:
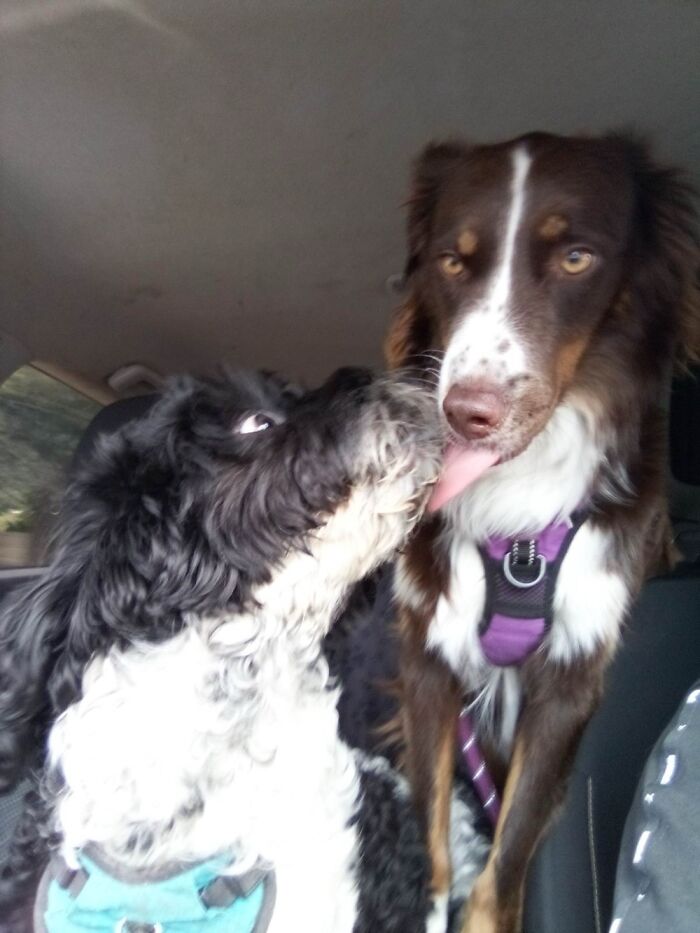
(110, 419)
(684, 433)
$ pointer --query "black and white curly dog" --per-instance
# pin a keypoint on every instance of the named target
(170, 664)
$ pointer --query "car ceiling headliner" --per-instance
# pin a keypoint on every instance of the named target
(185, 183)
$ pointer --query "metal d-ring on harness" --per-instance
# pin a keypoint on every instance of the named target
(521, 575)
(513, 561)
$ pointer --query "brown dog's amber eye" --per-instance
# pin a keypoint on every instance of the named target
(451, 265)
(576, 261)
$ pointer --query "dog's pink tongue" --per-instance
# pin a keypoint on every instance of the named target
(460, 467)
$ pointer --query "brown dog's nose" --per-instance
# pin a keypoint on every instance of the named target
(474, 411)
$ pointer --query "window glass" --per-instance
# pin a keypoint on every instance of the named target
(41, 422)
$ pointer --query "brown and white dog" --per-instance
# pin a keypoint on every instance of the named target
(551, 283)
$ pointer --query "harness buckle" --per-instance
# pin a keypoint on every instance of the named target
(133, 926)
(512, 560)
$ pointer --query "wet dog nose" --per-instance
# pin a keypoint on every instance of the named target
(474, 411)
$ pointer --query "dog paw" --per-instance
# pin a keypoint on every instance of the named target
(438, 916)
(482, 910)
(480, 921)
(486, 918)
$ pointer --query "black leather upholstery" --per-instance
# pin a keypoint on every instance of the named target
(685, 436)
(109, 419)
(571, 883)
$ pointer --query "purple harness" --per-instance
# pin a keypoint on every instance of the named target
(521, 574)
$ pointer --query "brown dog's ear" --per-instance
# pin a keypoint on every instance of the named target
(412, 330)
(429, 172)
(399, 345)
(666, 264)
(408, 333)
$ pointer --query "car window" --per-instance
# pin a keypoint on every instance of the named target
(41, 422)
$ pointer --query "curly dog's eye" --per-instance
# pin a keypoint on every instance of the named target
(259, 421)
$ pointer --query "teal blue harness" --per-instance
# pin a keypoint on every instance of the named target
(93, 899)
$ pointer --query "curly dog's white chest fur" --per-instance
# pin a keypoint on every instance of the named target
(192, 747)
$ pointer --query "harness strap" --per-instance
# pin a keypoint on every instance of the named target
(224, 890)
(521, 575)
(70, 879)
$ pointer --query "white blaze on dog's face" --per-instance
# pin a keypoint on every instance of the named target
(484, 345)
